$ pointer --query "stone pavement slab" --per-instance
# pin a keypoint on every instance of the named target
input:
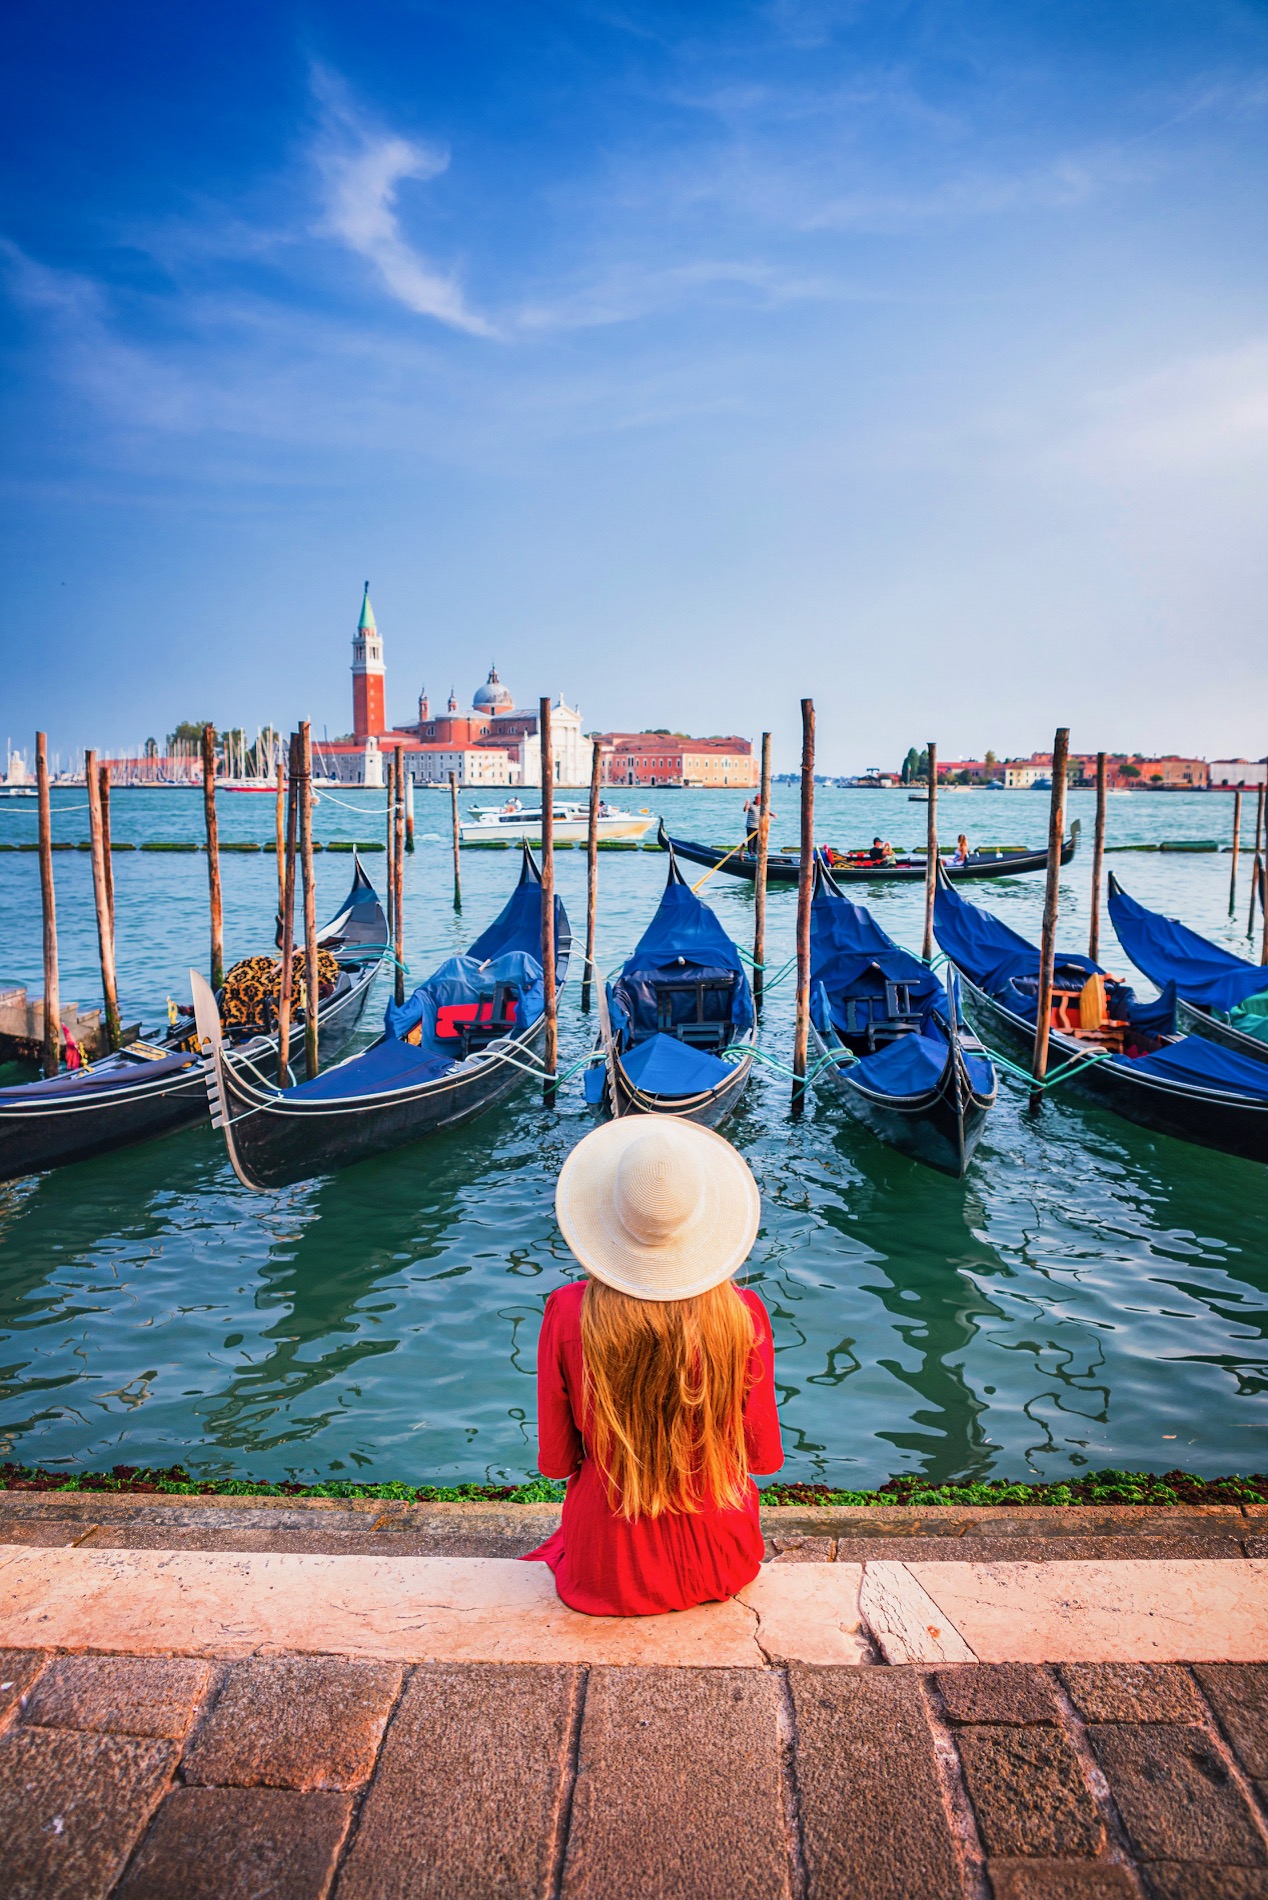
(679, 1788)
(471, 1788)
(807, 1614)
(874, 1823)
(119, 1695)
(71, 1808)
(1177, 1797)
(239, 1844)
(300, 1722)
(1163, 1611)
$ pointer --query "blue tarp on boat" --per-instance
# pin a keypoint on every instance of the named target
(913, 1065)
(387, 1066)
(1006, 966)
(988, 952)
(662, 1065)
(1169, 952)
(1207, 1065)
(850, 955)
(684, 941)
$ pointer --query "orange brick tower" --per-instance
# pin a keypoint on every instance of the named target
(368, 718)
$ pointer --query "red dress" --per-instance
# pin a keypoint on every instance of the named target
(608, 1565)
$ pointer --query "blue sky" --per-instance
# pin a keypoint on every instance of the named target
(683, 358)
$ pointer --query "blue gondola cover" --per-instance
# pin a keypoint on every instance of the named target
(683, 937)
(1169, 952)
(850, 955)
(1206, 1065)
(1006, 966)
(662, 1065)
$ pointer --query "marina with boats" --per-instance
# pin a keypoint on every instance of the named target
(905, 1066)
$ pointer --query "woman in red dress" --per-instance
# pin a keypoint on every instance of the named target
(655, 1377)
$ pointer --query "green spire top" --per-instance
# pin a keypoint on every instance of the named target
(366, 622)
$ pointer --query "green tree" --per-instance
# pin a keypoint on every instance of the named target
(911, 765)
(990, 761)
(189, 732)
(1130, 771)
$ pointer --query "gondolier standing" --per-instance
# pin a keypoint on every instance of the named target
(753, 819)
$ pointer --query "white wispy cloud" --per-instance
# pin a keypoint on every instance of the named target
(362, 169)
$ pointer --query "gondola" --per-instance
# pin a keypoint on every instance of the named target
(453, 1049)
(888, 1037)
(677, 1027)
(858, 867)
(150, 1087)
(1219, 996)
(1175, 1085)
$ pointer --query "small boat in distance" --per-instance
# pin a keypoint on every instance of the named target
(151, 1087)
(677, 1027)
(459, 1045)
(1176, 1085)
(860, 867)
(514, 823)
(1219, 995)
(889, 1039)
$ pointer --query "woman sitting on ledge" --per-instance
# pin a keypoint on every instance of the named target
(655, 1376)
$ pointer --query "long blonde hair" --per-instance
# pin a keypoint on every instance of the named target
(665, 1385)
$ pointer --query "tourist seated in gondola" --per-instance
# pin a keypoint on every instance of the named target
(961, 853)
(655, 1375)
(882, 851)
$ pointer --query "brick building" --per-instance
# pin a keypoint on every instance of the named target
(673, 758)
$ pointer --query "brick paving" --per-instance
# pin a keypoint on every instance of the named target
(289, 1777)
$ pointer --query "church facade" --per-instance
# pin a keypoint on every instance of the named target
(493, 743)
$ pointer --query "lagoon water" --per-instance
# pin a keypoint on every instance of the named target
(1090, 1295)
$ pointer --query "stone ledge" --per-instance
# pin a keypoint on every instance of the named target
(415, 1609)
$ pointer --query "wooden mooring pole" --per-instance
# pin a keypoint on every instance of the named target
(398, 870)
(279, 832)
(759, 876)
(409, 812)
(213, 858)
(931, 852)
(105, 923)
(1237, 845)
(103, 793)
(312, 982)
(52, 1011)
(391, 847)
(805, 889)
(1098, 862)
(457, 840)
(1254, 878)
(1048, 941)
(592, 874)
(551, 1052)
(288, 922)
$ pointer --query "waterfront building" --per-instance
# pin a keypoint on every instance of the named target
(1235, 773)
(494, 743)
(674, 758)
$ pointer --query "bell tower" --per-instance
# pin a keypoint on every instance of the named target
(368, 719)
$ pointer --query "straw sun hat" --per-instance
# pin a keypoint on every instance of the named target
(657, 1207)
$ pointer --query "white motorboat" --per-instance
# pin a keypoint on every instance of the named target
(514, 823)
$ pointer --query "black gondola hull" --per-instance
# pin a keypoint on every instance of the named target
(785, 868)
(941, 1127)
(1203, 1116)
(276, 1140)
(87, 1121)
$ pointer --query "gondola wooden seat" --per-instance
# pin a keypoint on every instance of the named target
(710, 1025)
(476, 1025)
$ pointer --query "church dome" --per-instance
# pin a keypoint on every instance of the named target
(492, 697)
